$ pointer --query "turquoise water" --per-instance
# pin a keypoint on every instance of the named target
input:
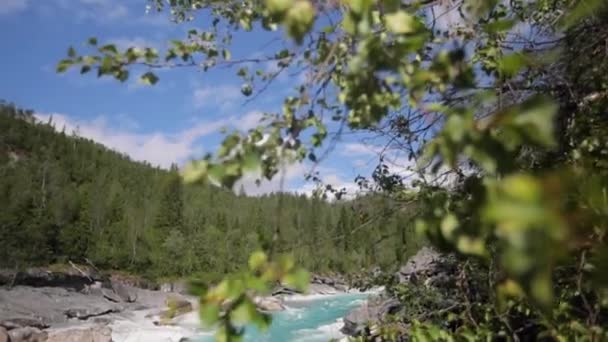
(307, 319)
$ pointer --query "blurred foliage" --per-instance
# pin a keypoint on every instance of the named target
(510, 100)
(230, 305)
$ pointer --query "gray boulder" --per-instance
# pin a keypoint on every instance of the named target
(125, 293)
(373, 311)
(269, 304)
(423, 262)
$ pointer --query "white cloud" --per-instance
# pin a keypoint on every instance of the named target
(157, 148)
(95, 10)
(279, 183)
(124, 43)
(361, 149)
(333, 178)
(248, 121)
(163, 149)
(222, 96)
(12, 6)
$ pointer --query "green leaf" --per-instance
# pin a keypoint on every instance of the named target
(251, 161)
(226, 54)
(209, 313)
(278, 7)
(246, 23)
(110, 48)
(257, 260)
(149, 78)
(71, 52)
(246, 89)
(499, 25)
(244, 313)
(298, 279)
(195, 171)
(262, 321)
(536, 119)
(122, 75)
(510, 65)
(360, 6)
(299, 20)
(92, 41)
(402, 22)
(63, 65)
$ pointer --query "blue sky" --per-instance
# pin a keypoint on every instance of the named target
(178, 119)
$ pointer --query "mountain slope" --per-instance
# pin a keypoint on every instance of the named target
(68, 198)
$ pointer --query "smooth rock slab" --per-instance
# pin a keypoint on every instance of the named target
(81, 334)
(49, 305)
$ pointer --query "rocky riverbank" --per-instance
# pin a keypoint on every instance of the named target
(427, 270)
(79, 303)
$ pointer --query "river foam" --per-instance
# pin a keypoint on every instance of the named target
(307, 318)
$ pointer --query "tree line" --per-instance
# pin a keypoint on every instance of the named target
(67, 198)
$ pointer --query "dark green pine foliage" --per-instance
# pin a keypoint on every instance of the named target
(65, 198)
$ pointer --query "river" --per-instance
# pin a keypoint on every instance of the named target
(307, 318)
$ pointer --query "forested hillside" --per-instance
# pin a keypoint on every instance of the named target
(66, 198)
(507, 97)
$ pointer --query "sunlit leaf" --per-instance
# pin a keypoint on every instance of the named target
(402, 22)
(149, 78)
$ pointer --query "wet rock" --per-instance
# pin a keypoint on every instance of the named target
(269, 304)
(27, 334)
(81, 334)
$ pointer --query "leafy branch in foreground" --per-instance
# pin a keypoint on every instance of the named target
(230, 305)
(526, 197)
